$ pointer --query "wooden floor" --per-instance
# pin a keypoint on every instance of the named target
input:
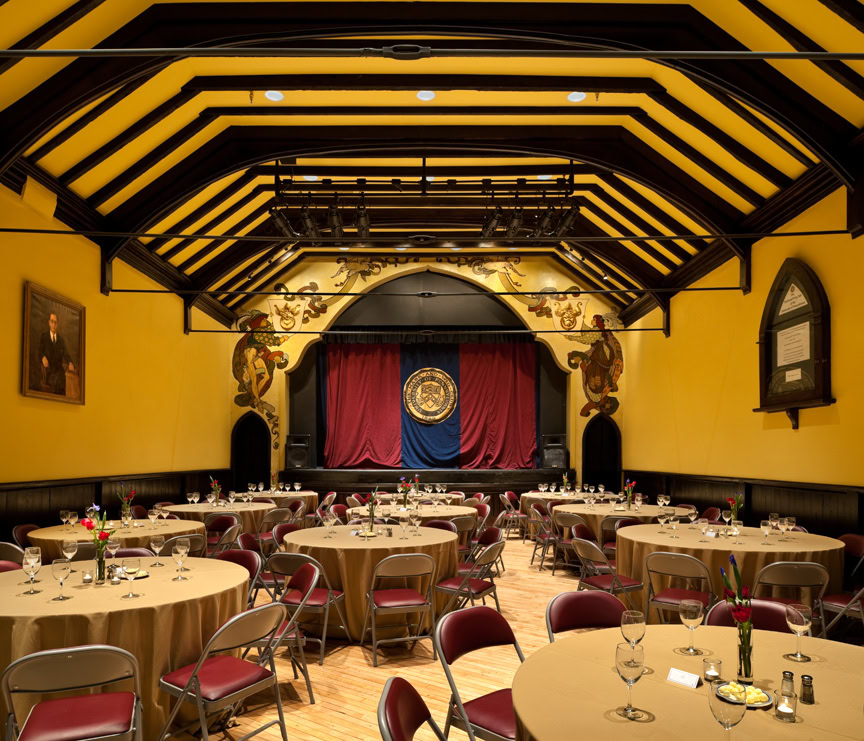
(347, 687)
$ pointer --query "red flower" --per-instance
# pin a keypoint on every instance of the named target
(103, 535)
(745, 592)
(728, 593)
(131, 494)
(88, 523)
(741, 614)
(730, 500)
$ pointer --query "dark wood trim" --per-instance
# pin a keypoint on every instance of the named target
(44, 483)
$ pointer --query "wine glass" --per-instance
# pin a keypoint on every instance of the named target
(702, 524)
(630, 663)
(404, 520)
(726, 514)
(591, 489)
(552, 487)
(157, 508)
(131, 567)
(727, 714)
(690, 611)
(601, 488)
(783, 524)
(153, 515)
(189, 497)
(329, 521)
(73, 518)
(737, 526)
(673, 525)
(766, 529)
(196, 497)
(250, 487)
(543, 488)
(692, 514)
(178, 553)
(260, 486)
(633, 626)
(183, 545)
(281, 485)
(232, 495)
(70, 548)
(637, 500)
(156, 543)
(774, 519)
(414, 518)
(64, 516)
(790, 525)
(297, 486)
(662, 518)
(799, 618)
(112, 546)
(32, 564)
(60, 571)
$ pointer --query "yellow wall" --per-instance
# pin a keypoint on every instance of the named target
(688, 399)
(156, 399)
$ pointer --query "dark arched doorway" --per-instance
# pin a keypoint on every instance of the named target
(601, 452)
(250, 451)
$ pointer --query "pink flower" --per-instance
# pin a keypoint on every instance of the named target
(103, 535)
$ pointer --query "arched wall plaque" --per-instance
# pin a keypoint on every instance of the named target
(795, 343)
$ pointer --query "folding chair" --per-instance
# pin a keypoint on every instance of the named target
(249, 560)
(107, 716)
(477, 583)
(687, 571)
(576, 610)
(797, 575)
(401, 712)
(765, 616)
(400, 600)
(11, 552)
(599, 574)
(197, 545)
(217, 683)
(541, 534)
(465, 527)
(20, 533)
(226, 541)
(264, 536)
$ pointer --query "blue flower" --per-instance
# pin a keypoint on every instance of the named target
(732, 559)
(96, 507)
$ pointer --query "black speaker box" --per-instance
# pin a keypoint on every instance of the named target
(554, 453)
(297, 451)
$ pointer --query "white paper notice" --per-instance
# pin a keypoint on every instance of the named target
(793, 299)
(793, 344)
(793, 375)
(682, 677)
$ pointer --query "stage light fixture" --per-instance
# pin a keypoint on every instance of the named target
(515, 222)
(310, 226)
(492, 222)
(281, 222)
(566, 221)
(362, 221)
(334, 220)
(544, 223)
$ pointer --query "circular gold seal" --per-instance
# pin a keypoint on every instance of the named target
(429, 395)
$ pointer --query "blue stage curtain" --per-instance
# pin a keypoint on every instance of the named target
(436, 445)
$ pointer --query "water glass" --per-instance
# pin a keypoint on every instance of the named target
(64, 516)
(630, 663)
(70, 548)
(727, 714)
(156, 544)
(178, 553)
(692, 515)
(633, 626)
(673, 526)
(690, 611)
(296, 486)
(32, 564)
(799, 618)
(766, 529)
(783, 524)
(60, 571)
(131, 567)
(737, 527)
(73, 518)
(774, 519)
(260, 486)
(790, 525)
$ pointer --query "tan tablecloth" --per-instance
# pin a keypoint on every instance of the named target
(447, 499)
(165, 629)
(250, 514)
(595, 516)
(427, 512)
(572, 683)
(635, 543)
(310, 498)
(349, 562)
(50, 539)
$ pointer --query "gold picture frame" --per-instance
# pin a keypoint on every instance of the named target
(52, 347)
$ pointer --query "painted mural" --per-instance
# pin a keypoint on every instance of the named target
(601, 365)
(253, 364)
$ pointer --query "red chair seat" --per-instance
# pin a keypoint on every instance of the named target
(398, 598)
(463, 567)
(318, 598)
(265, 536)
(85, 716)
(546, 536)
(674, 596)
(610, 546)
(494, 712)
(605, 581)
(213, 539)
(219, 676)
(842, 600)
(516, 515)
(464, 549)
(475, 585)
(292, 634)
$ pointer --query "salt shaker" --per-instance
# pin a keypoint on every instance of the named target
(788, 683)
(807, 690)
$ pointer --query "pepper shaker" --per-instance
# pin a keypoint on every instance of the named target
(788, 683)
(807, 697)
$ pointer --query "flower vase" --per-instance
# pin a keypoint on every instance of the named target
(100, 567)
(745, 659)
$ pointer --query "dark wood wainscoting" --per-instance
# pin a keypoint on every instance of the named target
(828, 509)
(40, 501)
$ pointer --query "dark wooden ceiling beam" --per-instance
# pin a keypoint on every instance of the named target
(210, 247)
(406, 171)
(840, 71)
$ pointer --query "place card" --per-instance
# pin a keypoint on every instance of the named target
(683, 678)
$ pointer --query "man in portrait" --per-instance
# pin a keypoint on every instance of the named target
(54, 359)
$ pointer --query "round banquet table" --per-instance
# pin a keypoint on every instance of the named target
(448, 499)
(165, 629)
(427, 512)
(572, 684)
(50, 539)
(310, 498)
(250, 514)
(529, 497)
(349, 561)
(595, 515)
(636, 542)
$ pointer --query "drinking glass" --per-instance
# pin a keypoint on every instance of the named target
(692, 514)
(737, 526)
(766, 529)
(73, 518)
(584, 487)
(726, 514)
(783, 524)
(60, 571)
(64, 516)
(112, 546)
(702, 524)
(799, 618)
(727, 714)
(70, 548)
(178, 553)
(543, 487)
(296, 486)
(633, 626)
(281, 485)
(552, 487)
(673, 526)
(773, 518)
(790, 525)
(196, 497)
(183, 545)
(131, 567)
(690, 612)
(662, 518)
(637, 499)
(601, 488)
(630, 663)
(153, 515)
(592, 488)
(329, 522)
(403, 523)
(414, 518)
(189, 497)
(32, 564)
(251, 487)
(260, 486)
(232, 495)
(157, 508)
(156, 543)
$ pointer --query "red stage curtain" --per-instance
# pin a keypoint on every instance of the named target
(364, 424)
(496, 393)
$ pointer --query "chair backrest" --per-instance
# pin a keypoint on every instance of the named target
(574, 610)
(352, 501)
(565, 521)
(440, 525)
(219, 522)
(581, 530)
(796, 575)
(540, 508)
(799, 529)
(20, 533)
(139, 512)
(164, 504)
(687, 506)
(85, 552)
(766, 616)
(471, 502)
(456, 495)
(250, 627)
(460, 632)
(490, 535)
(63, 669)
(679, 566)
(483, 511)
(590, 555)
(134, 553)
(464, 524)
(249, 560)
(11, 552)
(9, 566)
(293, 503)
(263, 500)
(340, 511)
(404, 565)
(401, 712)
(283, 529)
(273, 517)
(627, 522)
(609, 525)
(247, 541)
(228, 539)
(712, 513)
(304, 579)
(285, 564)
(197, 545)
(328, 500)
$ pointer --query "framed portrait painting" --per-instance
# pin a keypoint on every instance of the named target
(53, 347)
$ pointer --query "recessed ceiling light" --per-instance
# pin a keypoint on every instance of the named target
(545, 177)
(401, 249)
(512, 249)
(344, 249)
(430, 178)
(426, 95)
(274, 95)
(455, 249)
(310, 177)
(576, 97)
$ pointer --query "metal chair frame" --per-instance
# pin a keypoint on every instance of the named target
(253, 576)
(271, 518)
(465, 529)
(383, 723)
(197, 545)
(227, 541)
(482, 570)
(543, 537)
(562, 526)
(795, 575)
(68, 669)
(854, 605)
(401, 565)
(595, 563)
(665, 564)
(11, 552)
(612, 522)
